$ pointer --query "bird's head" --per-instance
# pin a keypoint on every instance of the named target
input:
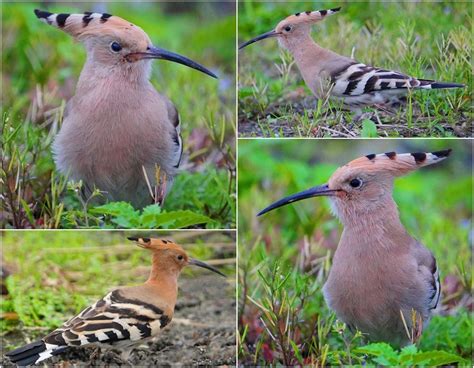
(112, 43)
(293, 28)
(364, 185)
(169, 256)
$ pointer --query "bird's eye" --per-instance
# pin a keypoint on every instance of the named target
(180, 257)
(288, 28)
(115, 46)
(355, 183)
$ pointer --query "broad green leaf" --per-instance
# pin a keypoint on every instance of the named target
(436, 358)
(147, 219)
(177, 219)
(369, 130)
(114, 209)
(123, 214)
(383, 352)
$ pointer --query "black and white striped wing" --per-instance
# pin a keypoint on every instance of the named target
(435, 285)
(173, 115)
(111, 320)
(358, 79)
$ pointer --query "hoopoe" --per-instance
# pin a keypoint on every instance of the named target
(119, 134)
(125, 317)
(379, 272)
(343, 79)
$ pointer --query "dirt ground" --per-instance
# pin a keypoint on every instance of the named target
(202, 332)
(280, 119)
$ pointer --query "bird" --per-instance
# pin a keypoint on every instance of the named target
(327, 74)
(119, 135)
(125, 317)
(381, 277)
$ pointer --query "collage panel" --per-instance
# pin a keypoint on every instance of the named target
(354, 277)
(356, 69)
(121, 286)
(118, 121)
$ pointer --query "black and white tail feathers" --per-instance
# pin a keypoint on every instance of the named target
(34, 353)
(359, 85)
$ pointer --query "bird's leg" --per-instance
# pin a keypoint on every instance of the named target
(357, 116)
(361, 116)
(95, 354)
(160, 187)
(158, 182)
(125, 355)
(162, 190)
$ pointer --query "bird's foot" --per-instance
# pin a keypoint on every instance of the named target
(95, 356)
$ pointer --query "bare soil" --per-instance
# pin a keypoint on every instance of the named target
(202, 333)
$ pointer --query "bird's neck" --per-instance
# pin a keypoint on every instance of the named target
(306, 52)
(126, 76)
(163, 269)
(381, 228)
(165, 280)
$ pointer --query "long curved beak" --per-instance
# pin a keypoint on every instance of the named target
(159, 53)
(272, 33)
(321, 190)
(198, 263)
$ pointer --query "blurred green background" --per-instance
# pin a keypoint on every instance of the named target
(293, 244)
(41, 66)
(425, 39)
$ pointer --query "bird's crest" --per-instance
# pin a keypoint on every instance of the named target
(393, 163)
(89, 24)
(310, 16)
(155, 244)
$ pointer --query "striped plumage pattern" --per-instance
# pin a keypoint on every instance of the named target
(59, 20)
(309, 16)
(414, 158)
(114, 321)
(358, 85)
(436, 286)
(396, 164)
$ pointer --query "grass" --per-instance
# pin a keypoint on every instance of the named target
(54, 275)
(285, 256)
(431, 41)
(40, 81)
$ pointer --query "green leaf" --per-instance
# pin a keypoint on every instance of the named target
(369, 130)
(297, 352)
(123, 214)
(148, 217)
(28, 212)
(407, 354)
(176, 219)
(114, 209)
(245, 92)
(436, 358)
(383, 352)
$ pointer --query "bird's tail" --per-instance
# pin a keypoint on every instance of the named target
(34, 353)
(431, 84)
